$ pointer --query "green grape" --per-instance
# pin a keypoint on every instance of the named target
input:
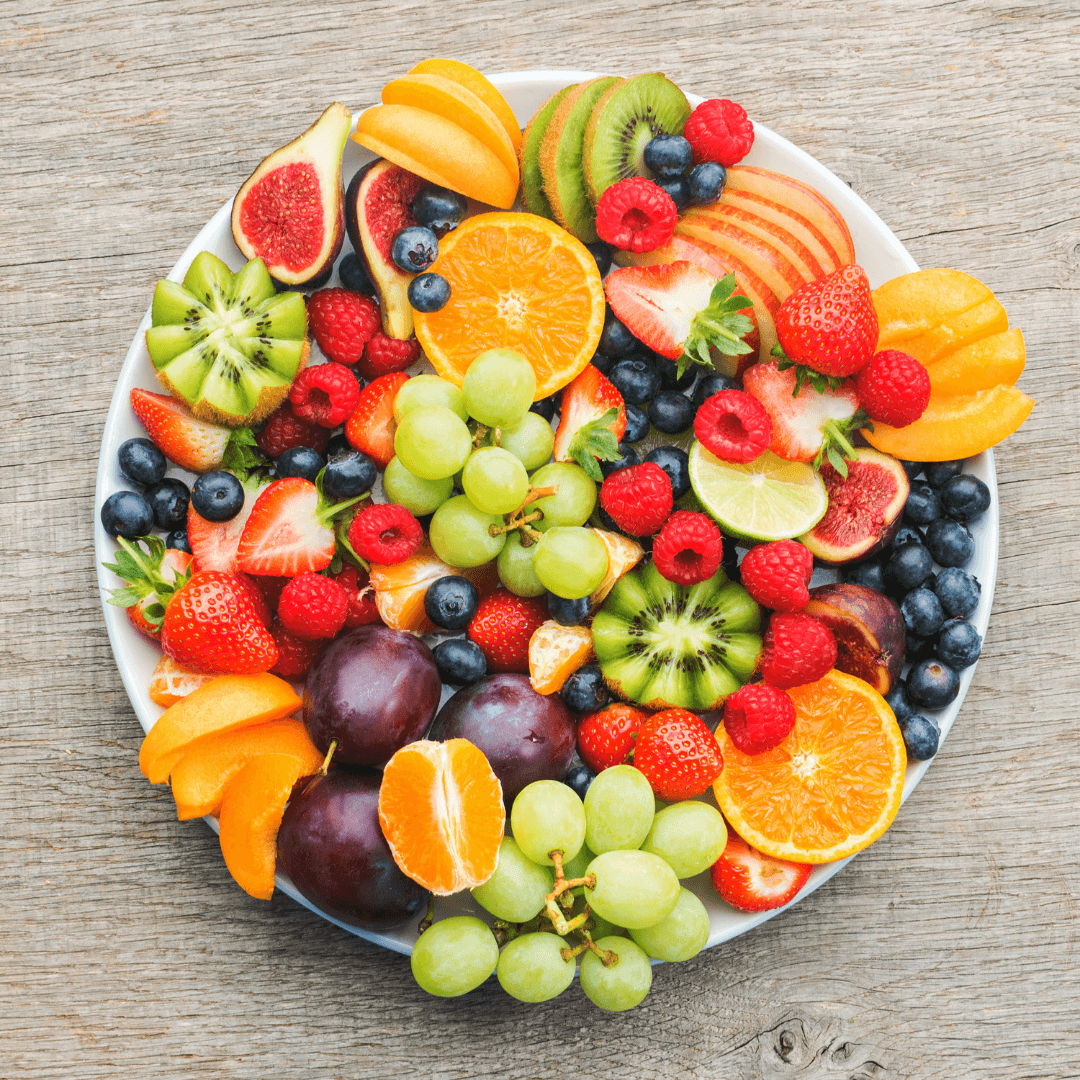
(432, 442)
(460, 534)
(547, 816)
(516, 567)
(495, 481)
(423, 390)
(621, 987)
(417, 495)
(571, 561)
(518, 889)
(618, 809)
(531, 967)
(688, 836)
(531, 441)
(454, 956)
(571, 504)
(681, 935)
(633, 888)
(598, 927)
(499, 387)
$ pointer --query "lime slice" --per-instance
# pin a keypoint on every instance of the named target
(766, 499)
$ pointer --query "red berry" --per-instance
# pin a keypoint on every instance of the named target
(777, 575)
(734, 426)
(385, 534)
(636, 215)
(606, 738)
(758, 717)
(295, 655)
(689, 548)
(638, 498)
(270, 587)
(313, 607)
(386, 354)
(893, 388)
(284, 430)
(502, 627)
(750, 881)
(678, 755)
(325, 395)
(797, 649)
(362, 608)
(719, 130)
(256, 596)
(342, 323)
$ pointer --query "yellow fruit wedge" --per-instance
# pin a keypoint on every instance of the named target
(994, 361)
(478, 84)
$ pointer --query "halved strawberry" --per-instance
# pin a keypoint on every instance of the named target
(213, 543)
(153, 576)
(592, 419)
(288, 531)
(371, 427)
(192, 444)
(750, 881)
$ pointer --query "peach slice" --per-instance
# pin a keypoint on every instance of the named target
(202, 775)
(994, 361)
(171, 681)
(438, 150)
(449, 99)
(474, 81)
(223, 704)
(955, 427)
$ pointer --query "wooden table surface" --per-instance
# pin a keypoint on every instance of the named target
(946, 950)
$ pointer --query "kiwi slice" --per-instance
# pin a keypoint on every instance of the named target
(666, 646)
(623, 121)
(532, 183)
(228, 345)
(560, 159)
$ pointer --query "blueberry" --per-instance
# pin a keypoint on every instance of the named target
(459, 661)
(299, 461)
(908, 567)
(676, 464)
(677, 188)
(168, 499)
(706, 182)
(607, 520)
(141, 461)
(615, 339)
(711, 384)
(353, 275)
(627, 457)
(337, 443)
(428, 292)
(965, 497)
(637, 424)
(670, 379)
(949, 542)
(602, 363)
(637, 379)
(585, 691)
(919, 648)
(959, 644)
(127, 514)
(912, 468)
(668, 155)
(349, 474)
(545, 407)
(671, 412)
(578, 780)
(729, 561)
(567, 612)
(870, 574)
(922, 613)
(439, 208)
(414, 249)
(921, 737)
(932, 684)
(938, 473)
(922, 506)
(898, 702)
(601, 252)
(218, 496)
(907, 535)
(451, 602)
(958, 592)
(178, 539)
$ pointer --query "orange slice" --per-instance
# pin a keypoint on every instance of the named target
(555, 653)
(172, 681)
(441, 811)
(521, 282)
(830, 788)
(477, 83)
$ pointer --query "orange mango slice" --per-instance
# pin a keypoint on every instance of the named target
(555, 653)
(474, 81)
(171, 681)
(997, 360)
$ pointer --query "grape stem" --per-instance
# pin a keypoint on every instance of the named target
(428, 918)
(560, 897)
(478, 438)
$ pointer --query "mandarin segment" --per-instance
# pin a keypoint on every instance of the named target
(171, 681)
(555, 653)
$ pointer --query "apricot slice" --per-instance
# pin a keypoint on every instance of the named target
(994, 361)
(449, 99)
(473, 80)
(171, 681)
(223, 704)
(251, 815)
(201, 776)
(438, 150)
(955, 427)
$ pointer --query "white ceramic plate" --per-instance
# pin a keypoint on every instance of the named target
(879, 252)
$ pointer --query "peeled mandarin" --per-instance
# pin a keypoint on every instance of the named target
(482, 87)
(555, 653)
(994, 361)
(171, 681)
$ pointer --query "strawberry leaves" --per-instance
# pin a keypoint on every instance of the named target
(596, 441)
(142, 570)
(836, 448)
(721, 326)
(805, 375)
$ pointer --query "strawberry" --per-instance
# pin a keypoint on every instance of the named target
(678, 755)
(750, 881)
(607, 738)
(153, 577)
(592, 419)
(371, 426)
(502, 627)
(213, 543)
(681, 311)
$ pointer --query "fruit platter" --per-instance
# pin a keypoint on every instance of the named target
(547, 524)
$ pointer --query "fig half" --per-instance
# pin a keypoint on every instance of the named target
(864, 511)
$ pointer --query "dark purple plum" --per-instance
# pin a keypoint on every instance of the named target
(373, 690)
(526, 736)
(332, 848)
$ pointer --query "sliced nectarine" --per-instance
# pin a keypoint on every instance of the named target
(172, 681)
(994, 361)
(223, 704)
(764, 257)
(474, 81)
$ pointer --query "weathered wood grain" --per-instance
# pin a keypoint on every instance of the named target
(946, 950)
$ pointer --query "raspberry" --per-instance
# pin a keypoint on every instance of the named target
(734, 426)
(362, 609)
(295, 655)
(385, 534)
(719, 130)
(758, 717)
(797, 649)
(325, 395)
(678, 755)
(893, 388)
(271, 587)
(689, 548)
(386, 354)
(342, 322)
(777, 575)
(638, 498)
(606, 738)
(285, 430)
(636, 215)
(313, 607)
